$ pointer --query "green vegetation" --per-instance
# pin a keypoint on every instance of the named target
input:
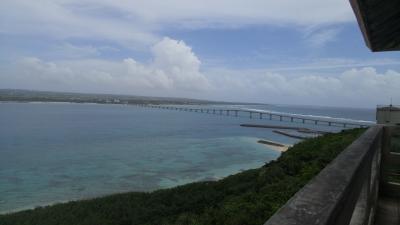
(247, 198)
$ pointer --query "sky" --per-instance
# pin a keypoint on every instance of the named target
(308, 52)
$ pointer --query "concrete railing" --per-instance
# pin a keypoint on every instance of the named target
(345, 192)
(390, 172)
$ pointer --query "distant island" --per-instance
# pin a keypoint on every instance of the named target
(17, 95)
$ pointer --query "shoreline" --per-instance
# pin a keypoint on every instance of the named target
(232, 193)
(232, 170)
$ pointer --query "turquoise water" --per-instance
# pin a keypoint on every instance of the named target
(56, 152)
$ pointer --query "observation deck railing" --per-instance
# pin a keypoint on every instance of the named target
(347, 190)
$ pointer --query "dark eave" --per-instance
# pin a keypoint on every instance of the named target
(379, 21)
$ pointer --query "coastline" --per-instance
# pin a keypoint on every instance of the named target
(219, 174)
(234, 190)
(269, 146)
(232, 170)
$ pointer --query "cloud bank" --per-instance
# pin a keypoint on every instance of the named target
(175, 70)
(363, 87)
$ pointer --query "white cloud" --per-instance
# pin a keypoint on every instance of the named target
(175, 69)
(354, 87)
(135, 23)
(236, 12)
(321, 37)
(300, 65)
(54, 19)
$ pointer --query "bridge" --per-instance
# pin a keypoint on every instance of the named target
(262, 115)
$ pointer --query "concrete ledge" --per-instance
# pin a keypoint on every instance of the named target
(330, 198)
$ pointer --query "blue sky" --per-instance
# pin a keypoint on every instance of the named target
(289, 52)
(269, 46)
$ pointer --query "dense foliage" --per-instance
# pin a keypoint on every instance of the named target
(247, 198)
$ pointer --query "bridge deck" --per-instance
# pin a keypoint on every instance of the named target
(262, 115)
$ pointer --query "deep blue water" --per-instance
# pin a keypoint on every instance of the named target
(54, 152)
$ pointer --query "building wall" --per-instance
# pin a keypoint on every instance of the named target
(388, 115)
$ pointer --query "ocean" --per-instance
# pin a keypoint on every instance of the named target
(57, 152)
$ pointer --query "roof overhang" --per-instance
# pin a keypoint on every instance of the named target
(379, 21)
